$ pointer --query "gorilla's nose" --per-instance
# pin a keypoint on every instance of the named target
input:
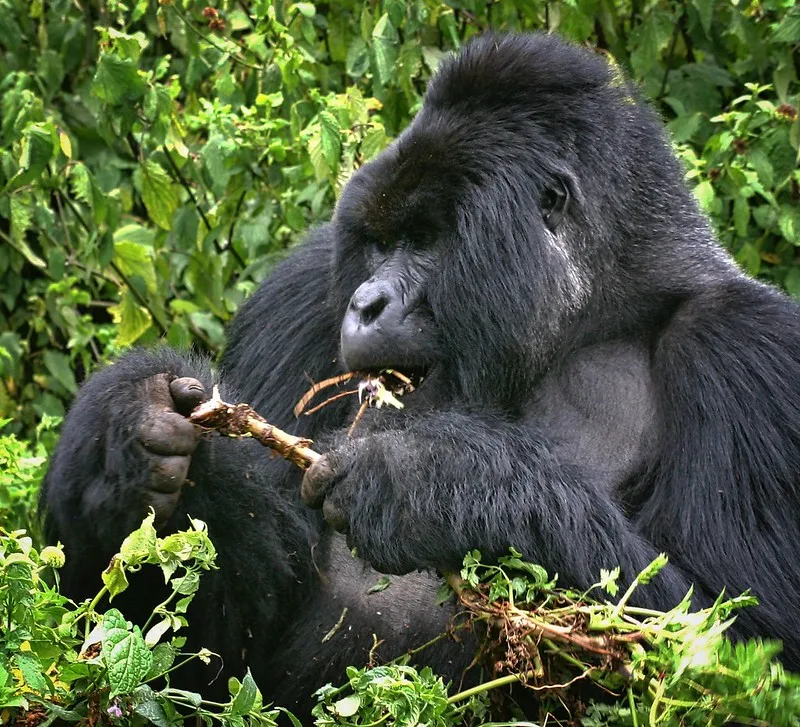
(369, 302)
(371, 320)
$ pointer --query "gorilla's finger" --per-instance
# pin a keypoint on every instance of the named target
(168, 433)
(315, 482)
(169, 473)
(164, 505)
(187, 393)
(335, 517)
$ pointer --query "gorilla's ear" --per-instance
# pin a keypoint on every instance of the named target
(556, 199)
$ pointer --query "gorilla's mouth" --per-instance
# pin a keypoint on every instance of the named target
(399, 381)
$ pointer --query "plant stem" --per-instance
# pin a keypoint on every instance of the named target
(487, 686)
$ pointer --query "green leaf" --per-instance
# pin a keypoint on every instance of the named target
(705, 194)
(683, 128)
(245, 697)
(31, 669)
(59, 367)
(135, 259)
(741, 216)
(146, 705)
(124, 653)
(357, 58)
(140, 545)
(792, 282)
(132, 319)
(307, 10)
(705, 11)
(159, 194)
(649, 39)
(383, 583)
(163, 658)
(348, 706)
(114, 577)
(117, 80)
(37, 150)
(789, 29)
(330, 140)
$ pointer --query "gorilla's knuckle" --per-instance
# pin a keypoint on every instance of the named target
(167, 433)
(335, 517)
(169, 473)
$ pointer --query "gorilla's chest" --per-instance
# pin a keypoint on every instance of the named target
(598, 408)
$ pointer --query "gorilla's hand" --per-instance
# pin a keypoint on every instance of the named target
(368, 489)
(168, 438)
(318, 480)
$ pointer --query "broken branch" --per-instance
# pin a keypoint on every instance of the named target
(241, 419)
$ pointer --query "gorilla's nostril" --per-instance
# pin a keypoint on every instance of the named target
(370, 312)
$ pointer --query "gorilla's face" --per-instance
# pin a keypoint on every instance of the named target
(415, 246)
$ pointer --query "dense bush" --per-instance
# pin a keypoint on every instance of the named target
(157, 157)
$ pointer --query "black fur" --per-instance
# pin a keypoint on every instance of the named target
(602, 383)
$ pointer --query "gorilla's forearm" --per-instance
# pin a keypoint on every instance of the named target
(426, 494)
(92, 493)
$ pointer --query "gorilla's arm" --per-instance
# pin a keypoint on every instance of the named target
(424, 494)
(125, 447)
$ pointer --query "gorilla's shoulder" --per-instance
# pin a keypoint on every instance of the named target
(285, 321)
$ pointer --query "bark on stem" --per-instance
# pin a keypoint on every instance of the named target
(240, 420)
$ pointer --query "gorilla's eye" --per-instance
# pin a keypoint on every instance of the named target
(555, 200)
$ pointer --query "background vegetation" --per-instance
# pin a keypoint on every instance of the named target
(158, 156)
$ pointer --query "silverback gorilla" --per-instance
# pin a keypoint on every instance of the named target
(599, 383)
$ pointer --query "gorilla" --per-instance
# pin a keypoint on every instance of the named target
(598, 383)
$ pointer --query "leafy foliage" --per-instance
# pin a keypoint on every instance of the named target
(668, 668)
(157, 157)
(76, 663)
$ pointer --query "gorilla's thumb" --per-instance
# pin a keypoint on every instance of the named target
(187, 393)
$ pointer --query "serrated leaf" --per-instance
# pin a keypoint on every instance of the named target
(163, 658)
(648, 41)
(789, 29)
(124, 653)
(132, 319)
(245, 697)
(136, 259)
(31, 668)
(117, 80)
(140, 545)
(374, 141)
(159, 194)
(357, 58)
(114, 578)
(81, 182)
(148, 707)
(330, 140)
(384, 56)
(705, 11)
